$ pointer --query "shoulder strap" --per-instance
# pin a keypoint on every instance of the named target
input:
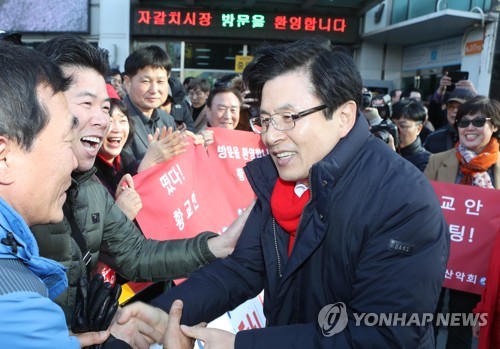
(76, 233)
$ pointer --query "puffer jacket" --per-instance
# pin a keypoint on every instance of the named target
(372, 236)
(111, 237)
(29, 317)
(416, 154)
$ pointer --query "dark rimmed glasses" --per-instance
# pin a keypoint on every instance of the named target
(477, 122)
(280, 121)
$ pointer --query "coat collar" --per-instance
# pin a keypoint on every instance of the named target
(448, 171)
(140, 121)
(413, 148)
(80, 177)
(262, 175)
(52, 274)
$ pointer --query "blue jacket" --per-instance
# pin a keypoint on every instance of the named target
(366, 201)
(30, 319)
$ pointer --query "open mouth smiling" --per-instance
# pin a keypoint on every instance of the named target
(91, 142)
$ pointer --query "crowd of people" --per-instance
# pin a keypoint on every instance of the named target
(463, 150)
(341, 220)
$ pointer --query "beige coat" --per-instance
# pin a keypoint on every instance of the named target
(443, 167)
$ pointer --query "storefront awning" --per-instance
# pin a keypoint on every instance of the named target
(435, 26)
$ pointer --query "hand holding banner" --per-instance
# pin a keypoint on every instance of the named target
(473, 221)
(199, 190)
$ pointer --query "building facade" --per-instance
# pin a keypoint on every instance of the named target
(396, 43)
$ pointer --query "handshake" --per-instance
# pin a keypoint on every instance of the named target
(96, 305)
(137, 325)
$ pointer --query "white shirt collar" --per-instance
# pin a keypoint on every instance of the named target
(300, 189)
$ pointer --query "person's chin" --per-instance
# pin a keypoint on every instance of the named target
(56, 217)
(289, 176)
(85, 165)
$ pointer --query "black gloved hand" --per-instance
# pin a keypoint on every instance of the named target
(96, 304)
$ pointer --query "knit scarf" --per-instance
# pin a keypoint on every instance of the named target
(287, 207)
(475, 167)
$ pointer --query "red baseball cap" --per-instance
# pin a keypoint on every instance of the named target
(112, 92)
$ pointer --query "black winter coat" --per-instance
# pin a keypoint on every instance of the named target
(372, 236)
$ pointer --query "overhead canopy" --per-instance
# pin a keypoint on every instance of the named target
(435, 26)
(352, 7)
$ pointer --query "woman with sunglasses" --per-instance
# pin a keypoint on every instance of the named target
(474, 161)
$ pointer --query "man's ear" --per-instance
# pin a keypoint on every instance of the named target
(126, 83)
(347, 113)
(5, 153)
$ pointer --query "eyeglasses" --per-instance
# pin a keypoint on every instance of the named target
(453, 106)
(477, 122)
(406, 126)
(195, 93)
(280, 121)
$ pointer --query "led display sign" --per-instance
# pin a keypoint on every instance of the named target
(47, 16)
(244, 25)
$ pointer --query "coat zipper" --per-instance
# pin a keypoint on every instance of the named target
(280, 272)
(276, 248)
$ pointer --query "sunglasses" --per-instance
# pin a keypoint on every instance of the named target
(478, 122)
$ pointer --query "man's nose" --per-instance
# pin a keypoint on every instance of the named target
(101, 119)
(273, 135)
(154, 87)
(227, 113)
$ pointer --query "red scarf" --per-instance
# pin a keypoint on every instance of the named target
(287, 207)
(116, 162)
(481, 163)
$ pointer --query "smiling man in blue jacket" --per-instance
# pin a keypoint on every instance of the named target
(36, 160)
(343, 226)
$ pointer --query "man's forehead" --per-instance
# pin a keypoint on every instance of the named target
(70, 70)
(85, 82)
(226, 96)
(286, 106)
(153, 71)
(403, 120)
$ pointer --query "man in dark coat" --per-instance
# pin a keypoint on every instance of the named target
(180, 109)
(343, 226)
(146, 81)
(409, 115)
(445, 137)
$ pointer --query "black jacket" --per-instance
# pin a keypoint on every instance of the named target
(181, 111)
(416, 154)
(366, 200)
(108, 175)
(441, 140)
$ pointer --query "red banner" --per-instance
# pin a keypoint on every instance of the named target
(228, 155)
(200, 190)
(473, 221)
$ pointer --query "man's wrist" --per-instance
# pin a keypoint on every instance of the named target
(217, 246)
